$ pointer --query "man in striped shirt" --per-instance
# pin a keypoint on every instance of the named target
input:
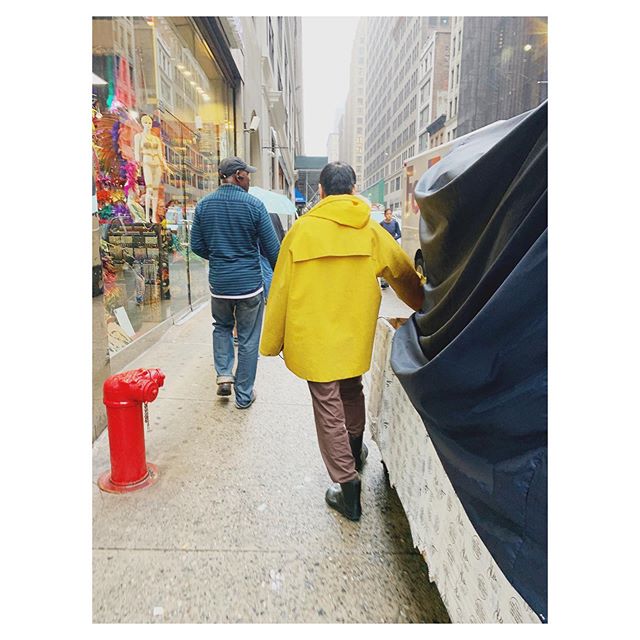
(228, 225)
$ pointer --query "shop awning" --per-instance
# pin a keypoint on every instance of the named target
(375, 193)
(437, 124)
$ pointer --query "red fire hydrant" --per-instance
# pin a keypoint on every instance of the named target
(123, 395)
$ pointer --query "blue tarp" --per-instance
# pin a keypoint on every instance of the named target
(473, 361)
(299, 198)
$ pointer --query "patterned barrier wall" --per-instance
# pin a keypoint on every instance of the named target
(472, 586)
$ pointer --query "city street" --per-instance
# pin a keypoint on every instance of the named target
(236, 528)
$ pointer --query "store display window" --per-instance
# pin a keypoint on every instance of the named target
(162, 118)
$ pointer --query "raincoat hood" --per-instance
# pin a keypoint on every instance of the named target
(348, 210)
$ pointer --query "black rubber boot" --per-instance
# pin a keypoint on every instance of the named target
(359, 451)
(345, 498)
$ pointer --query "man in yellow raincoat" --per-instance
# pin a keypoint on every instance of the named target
(322, 314)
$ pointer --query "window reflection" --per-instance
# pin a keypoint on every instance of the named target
(161, 123)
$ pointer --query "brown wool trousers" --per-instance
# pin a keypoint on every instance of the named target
(338, 408)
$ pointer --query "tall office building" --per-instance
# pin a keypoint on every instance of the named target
(429, 80)
(433, 89)
(209, 87)
(352, 137)
(393, 47)
(503, 69)
(333, 147)
(269, 56)
(455, 69)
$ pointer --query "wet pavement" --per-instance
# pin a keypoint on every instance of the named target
(236, 528)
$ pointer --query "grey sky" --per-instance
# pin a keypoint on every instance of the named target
(326, 56)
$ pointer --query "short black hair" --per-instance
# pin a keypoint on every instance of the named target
(389, 210)
(337, 178)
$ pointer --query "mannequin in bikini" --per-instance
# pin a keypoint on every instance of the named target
(148, 152)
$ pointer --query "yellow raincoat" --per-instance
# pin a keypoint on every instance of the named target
(324, 298)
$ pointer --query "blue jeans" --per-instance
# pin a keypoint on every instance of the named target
(246, 313)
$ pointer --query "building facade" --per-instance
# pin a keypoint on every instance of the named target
(429, 80)
(171, 97)
(333, 146)
(433, 90)
(393, 47)
(503, 69)
(353, 133)
(270, 56)
(455, 69)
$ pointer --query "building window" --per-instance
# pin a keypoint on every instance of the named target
(270, 42)
(424, 116)
(165, 92)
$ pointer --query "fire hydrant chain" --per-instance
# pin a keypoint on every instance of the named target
(145, 407)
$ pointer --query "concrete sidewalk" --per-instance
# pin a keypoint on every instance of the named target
(236, 528)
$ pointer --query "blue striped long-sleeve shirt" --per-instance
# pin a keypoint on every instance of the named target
(227, 226)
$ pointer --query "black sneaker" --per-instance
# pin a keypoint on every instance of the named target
(224, 389)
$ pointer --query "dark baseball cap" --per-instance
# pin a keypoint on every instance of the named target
(230, 165)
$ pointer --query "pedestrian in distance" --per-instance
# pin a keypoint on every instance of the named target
(391, 225)
(230, 229)
(322, 314)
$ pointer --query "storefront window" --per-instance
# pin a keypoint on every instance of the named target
(162, 120)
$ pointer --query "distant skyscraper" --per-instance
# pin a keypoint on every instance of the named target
(333, 147)
(352, 136)
(393, 47)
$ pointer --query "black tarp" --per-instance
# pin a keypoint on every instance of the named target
(473, 361)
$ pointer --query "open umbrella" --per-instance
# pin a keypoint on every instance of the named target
(274, 202)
